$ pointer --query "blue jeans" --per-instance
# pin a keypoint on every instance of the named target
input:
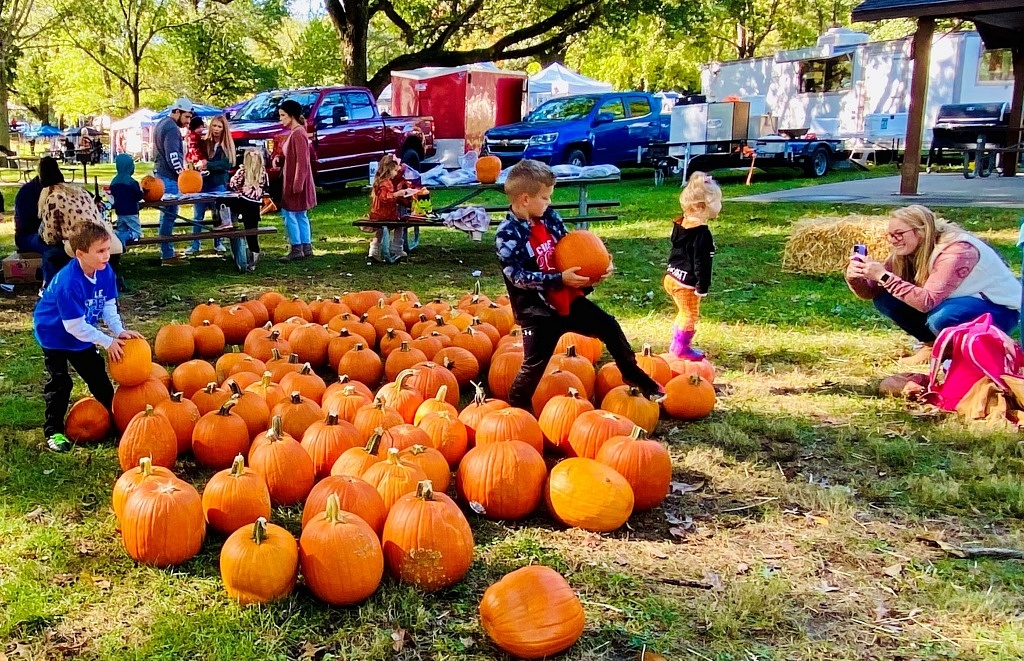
(199, 212)
(128, 229)
(30, 243)
(953, 311)
(297, 224)
(167, 217)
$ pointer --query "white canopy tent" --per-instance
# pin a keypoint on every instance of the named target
(556, 80)
(131, 134)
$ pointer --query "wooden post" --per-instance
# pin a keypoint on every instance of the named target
(918, 96)
(1013, 134)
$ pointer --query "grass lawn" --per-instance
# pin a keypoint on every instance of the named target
(793, 534)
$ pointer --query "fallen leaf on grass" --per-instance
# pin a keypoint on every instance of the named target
(309, 651)
(85, 547)
(63, 580)
(677, 532)
(622, 560)
(672, 519)
(893, 570)
(399, 637)
(814, 518)
(881, 611)
(659, 554)
(592, 540)
(684, 487)
(35, 515)
(714, 580)
(101, 583)
(467, 642)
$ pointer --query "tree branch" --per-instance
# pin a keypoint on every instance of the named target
(455, 24)
(389, 10)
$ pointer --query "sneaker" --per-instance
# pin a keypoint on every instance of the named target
(221, 248)
(59, 443)
(191, 251)
(401, 254)
(173, 261)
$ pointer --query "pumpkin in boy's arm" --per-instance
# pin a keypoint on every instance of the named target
(584, 249)
(135, 365)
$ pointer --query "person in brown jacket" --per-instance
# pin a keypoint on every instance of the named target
(298, 192)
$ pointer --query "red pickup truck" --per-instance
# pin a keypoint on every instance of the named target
(345, 128)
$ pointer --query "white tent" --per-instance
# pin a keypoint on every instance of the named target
(132, 134)
(556, 80)
(133, 121)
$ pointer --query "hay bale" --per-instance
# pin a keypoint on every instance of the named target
(823, 245)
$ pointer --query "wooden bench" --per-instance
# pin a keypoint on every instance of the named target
(201, 236)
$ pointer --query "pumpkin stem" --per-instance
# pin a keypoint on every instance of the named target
(402, 377)
(392, 457)
(225, 408)
(633, 391)
(276, 355)
(206, 322)
(390, 333)
(275, 335)
(570, 352)
(146, 466)
(306, 368)
(243, 298)
(418, 449)
(479, 397)
(476, 288)
(373, 445)
(332, 416)
(259, 530)
(238, 466)
(210, 387)
(638, 433)
(210, 301)
(695, 379)
(359, 346)
(439, 320)
(336, 299)
(267, 380)
(344, 332)
(235, 389)
(442, 393)
(447, 362)
(176, 397)
(575, 394)
(348, 391)
(404, 347)
(275, 427)
(296, 397)
(333, 509)
(149, 410)
(293, 359)
(646, 350)
(268, 325)
(425, 490)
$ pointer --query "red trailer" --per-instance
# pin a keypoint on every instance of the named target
(464, 102)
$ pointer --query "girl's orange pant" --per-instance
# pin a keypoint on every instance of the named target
(687, 302)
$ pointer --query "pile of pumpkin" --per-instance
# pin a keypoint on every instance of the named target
(371, 464)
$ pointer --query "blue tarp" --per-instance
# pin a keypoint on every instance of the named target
(44, 131)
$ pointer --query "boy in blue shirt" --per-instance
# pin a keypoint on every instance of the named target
(82, 293)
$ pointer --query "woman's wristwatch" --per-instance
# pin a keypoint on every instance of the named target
(885, 278)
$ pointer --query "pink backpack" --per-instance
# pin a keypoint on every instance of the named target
(974, 350)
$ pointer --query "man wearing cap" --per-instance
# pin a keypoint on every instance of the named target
(169, 161)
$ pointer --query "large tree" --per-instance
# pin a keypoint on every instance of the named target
(455, 32)
(19, 25)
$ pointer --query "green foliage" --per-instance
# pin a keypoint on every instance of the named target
(313, 54)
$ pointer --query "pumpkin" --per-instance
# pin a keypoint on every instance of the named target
(592, 429)
(271, 392)
(129, 400)
(209, 398)
(429, 344)
(354, 461)
(131, 479)
(630, 403)
(532, 613)
(279, 365)
(219, 436)
(326, 439)
(236, 322)
(135, 365)
(510, 424)
(284, 464)
(362, 364)
(392, 341)
(340, 556)
(477, 409)
(189, 182)
(487, 329)
(427, 541)
(262, 342)
(341, 344)
(477, 343)
(583, 249)
(227, 362)
(252, 408)
(376, 414)
(402, 436)
(175, 343)
(354, 495)
(192, 376)
(259, 311)
(310, 342)
(297, 414)
(559, 416)
(243, 379)
(554, 383)
(499, 316)
(570, 361)
(361, 301)
(330, 309)
(87, 421)
(152, 188)
(183, 415)
(354, 326)
(644, 463)
(654, 365)
(584, 493)
(392, 478)
(462, 364)
(460, 319)
(309, 384)
(346, 401)
(271, 300)
(429, 378)
(487, 169)
(608, 377)
(235, 497)
(155, 507)
(435, 404)
(291, 307)
(402, 397)
(689, 397)
(204, 312)
(161, 374)
(504, 369)
(259, 564)
(502, 480)
(431, 462)
(402, 359)
(447, 434)
(149, 434)
(590, 348)
(680, 366)
(209, 340)
(475, 297)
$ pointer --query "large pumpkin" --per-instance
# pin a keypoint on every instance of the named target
(192, 376)
(152, 188)
(477, 409)
(341, 556)
(427, 540)
(447, 434)
(184, 415)
(559, 416)
(326, 439)
(532, 613)
(87, 421)
(129, 400)
(584, 249)
(644, 463)
(592, 429)
(393, 478)
(297, 414)
(156, 507)
(219, 436)
(510, 424)
(131, 479)
(487, 169)
(259, 564)
(630, 403)
(174, 344)
(431, 462)
(135, 365)
(149, 434)
(189, 182)
(584, 493)
(235, 497)
(502, 480)
(353, 494)
(689, 397)
(284, 464)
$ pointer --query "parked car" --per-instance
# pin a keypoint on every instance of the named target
(347, 132)
(586, 129)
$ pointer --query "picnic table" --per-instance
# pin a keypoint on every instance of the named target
(236, 237)
(583, 208)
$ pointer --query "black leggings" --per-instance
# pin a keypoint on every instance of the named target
(249, 213)
(57, 391)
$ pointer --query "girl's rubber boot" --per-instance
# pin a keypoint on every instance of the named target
(685, 351)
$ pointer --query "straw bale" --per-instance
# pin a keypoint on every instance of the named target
(823, 245)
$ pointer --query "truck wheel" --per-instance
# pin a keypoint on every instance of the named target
(818, 163)
(576, 157)
(411, 157)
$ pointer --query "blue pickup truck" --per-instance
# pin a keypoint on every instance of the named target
(586, 129)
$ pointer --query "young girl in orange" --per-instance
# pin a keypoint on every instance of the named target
(384, 205)
(689, 261)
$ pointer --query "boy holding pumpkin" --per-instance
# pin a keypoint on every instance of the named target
(547, 302)
(82, 293)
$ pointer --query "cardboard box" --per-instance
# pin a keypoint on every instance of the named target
(24, 269)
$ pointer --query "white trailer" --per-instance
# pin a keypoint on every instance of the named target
(848, 88)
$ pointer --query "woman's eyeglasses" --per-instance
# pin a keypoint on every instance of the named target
(897, 236)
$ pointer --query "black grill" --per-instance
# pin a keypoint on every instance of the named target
(963, 125)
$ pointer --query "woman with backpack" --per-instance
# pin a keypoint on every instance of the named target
(937, 275)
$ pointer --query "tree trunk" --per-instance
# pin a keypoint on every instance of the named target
(353, 24)
(5, 120)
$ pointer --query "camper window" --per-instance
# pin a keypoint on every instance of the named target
(832, 75)
(995, 66)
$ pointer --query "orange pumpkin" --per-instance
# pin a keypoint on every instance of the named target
(261, 344)
(402, 397)
(183, 414)
(271, 392)
(192, 376)
(236, 321)
(325, 440)
(487, 169)
(135, 365)
(152, 188)
(209, 398)
(584, 493)
(235, 497)
(436, 403)
(293, 307)
(297, 413)
(402, 359)
(644, 463)
(477, 409)
(689, 397)
(209, 339)
(149, 434)
(630, 403)
(258, 309)
(588, 347)
(559, 416)
(129, 400)
(431, 462)
(393, 478)
(175, 343)
(608, 377)
(220, 436)
(570, 361)
(585, 250)
(592, 429)
(345, 401)
(189, 182)
(259, 564)
(354, 461)
(654, 365)
(504, 369)
(131, 479)
(362, 364)
(310, 342)
(354, 495)
(156, 506)
(447, 435)
(553, 384)
(502, 480)
(87, 421)
(284, 464)
(340, 556)
(510, 424)
(430, 377)
(309, 384)
(250, 407)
